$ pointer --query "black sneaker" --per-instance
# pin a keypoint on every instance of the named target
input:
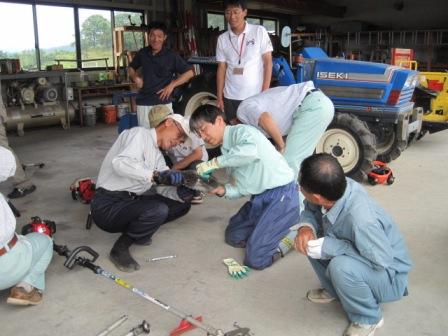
(21, 192)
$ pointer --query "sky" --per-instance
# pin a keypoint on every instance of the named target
(55, 25)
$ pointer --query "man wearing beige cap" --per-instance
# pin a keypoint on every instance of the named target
(184, 156)
(123, 202)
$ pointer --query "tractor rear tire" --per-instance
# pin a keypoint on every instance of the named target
(350, 141)
(200, 91)
(387, 146)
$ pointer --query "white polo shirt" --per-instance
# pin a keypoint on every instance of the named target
(182, 150)
(281, 102)
(243, 51)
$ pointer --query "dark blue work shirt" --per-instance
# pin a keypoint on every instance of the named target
(157, 71)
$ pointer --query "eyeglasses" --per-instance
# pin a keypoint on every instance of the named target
(182, 134)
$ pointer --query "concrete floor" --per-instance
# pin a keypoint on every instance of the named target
(270, 302)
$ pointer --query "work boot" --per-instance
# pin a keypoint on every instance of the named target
(120, 255)
(19, 296)
(357, 329)
(319, 295)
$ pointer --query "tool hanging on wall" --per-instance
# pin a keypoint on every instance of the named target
(84, 256)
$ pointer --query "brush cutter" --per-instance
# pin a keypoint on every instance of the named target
(84, 256)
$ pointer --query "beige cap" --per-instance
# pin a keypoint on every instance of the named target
(158, 114)
(183, 123)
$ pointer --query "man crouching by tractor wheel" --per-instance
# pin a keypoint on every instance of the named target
(23, 259)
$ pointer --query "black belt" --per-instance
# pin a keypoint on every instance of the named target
(310, 92)
(118, 193)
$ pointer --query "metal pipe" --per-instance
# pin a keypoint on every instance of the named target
(113, 326)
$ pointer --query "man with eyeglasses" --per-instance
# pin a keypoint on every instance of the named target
(125, 201)
(244, 60)
(161, 71)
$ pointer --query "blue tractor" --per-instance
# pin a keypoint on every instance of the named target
(374, 117)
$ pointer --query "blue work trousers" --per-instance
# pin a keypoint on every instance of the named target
(359, 287)
(27, 261)
(309, 123)
(262, 222)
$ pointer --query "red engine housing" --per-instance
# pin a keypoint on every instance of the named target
(380, 174)
(38, 225)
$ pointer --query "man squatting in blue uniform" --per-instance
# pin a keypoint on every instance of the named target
(354, 246)
(259, 170)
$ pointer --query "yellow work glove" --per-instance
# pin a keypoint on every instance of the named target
(205, 169)
(236, 270)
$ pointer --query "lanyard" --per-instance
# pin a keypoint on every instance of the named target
(241, 48)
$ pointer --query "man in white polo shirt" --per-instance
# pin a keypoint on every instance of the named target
(244, 60)
(300, 111)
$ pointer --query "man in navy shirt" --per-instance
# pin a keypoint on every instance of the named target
(162, 70)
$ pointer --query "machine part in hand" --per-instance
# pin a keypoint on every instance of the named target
(74, 258)
(191, 180)
(113, 326)
(45, 226)
(143, 327)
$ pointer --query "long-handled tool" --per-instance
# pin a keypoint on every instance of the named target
(84, 256)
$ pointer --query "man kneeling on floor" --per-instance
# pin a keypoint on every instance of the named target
(23, 259)
(123, 201)
(353, 245)
(260, 171)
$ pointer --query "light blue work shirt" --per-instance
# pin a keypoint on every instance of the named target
(252, 161)
(358, 227)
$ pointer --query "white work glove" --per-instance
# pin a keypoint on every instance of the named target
(205, 169)
(314, 248)
(235, 270)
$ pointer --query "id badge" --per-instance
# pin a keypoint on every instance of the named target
(238, 71)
